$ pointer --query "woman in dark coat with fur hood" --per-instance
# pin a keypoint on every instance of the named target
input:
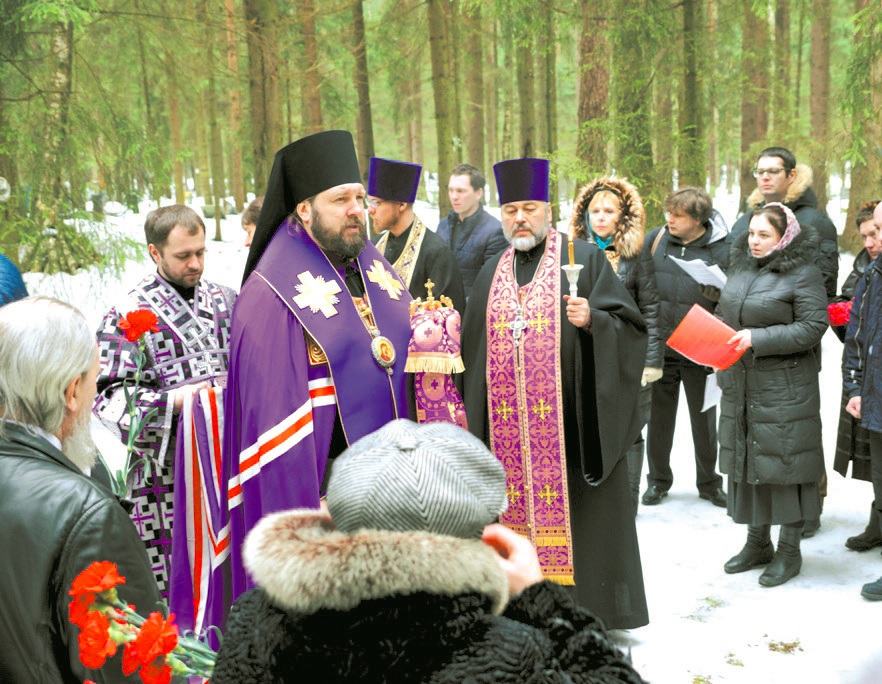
(609, 212)
(411, 582)
(770, 423)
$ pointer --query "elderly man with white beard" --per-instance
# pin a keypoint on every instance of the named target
(54, 519)
(551, 386)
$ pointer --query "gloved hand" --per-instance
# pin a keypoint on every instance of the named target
(710, 292)
(650, 375)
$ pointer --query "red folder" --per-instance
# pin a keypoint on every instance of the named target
(703, 338)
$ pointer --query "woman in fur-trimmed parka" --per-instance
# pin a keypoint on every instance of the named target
(770, 423)
(609, 212)
(381, 606)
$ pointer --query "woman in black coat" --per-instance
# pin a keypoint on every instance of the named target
(609, 213)
(770, 423)
(852, 441)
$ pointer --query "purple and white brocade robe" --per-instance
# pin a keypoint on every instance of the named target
(192, 345)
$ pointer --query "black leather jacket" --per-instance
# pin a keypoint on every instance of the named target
(54, 522)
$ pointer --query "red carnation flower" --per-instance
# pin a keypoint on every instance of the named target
(839, 313)
(156, 672)
(156, 638)
(95, 643)
(136, 323)
(80, 607)
(98, 577)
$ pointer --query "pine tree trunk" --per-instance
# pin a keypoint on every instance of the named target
(312, 94)
(754, 95)
(691, 158)
(236, 180)
(442, 86)
(526, 100)
(215, 146)
(819, 102)
(365, 126)
(453, 39)
(593, 88)
(174, 127)
(713, 154)
(491, 87)
(663, 130)
(263, 84)
(474, 109)
(632, 104)
(781, 119)
(506, 143)
(550, 96)
(58, 100)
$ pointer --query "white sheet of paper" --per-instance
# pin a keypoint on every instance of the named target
(701, 272)
(712, 392)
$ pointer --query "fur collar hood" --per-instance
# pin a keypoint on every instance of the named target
(797, 253)
(800, 188)
(628, 239)
(305, 565)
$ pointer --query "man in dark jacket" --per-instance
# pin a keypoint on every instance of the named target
(693, 231)
(780, 179)
(54, 519)
(862, 379)
(474, 235)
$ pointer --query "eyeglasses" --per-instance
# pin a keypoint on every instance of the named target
(767, 172)
(373, 202)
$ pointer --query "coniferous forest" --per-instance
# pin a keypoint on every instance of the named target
(131, 99)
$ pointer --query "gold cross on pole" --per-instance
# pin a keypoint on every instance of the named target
(541, 409)
(547, 494)
(539, 323)
(512, 494)
(385, 280)
(316, 294)
(504, 411)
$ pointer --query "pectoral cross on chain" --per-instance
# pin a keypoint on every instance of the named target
(518, 325)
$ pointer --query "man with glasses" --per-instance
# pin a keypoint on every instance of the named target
(780, 179)
(416, 253)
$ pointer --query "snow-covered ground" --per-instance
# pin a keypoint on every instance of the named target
(705, 626)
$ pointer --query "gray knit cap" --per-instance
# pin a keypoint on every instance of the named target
(434, 477)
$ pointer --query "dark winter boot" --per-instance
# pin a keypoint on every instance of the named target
(758, 550)
(871, 537)
(872, 590)
(787, 561)
(635, 469)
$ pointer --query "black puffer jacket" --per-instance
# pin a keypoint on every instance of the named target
(677, 290)
(770, 422)
(803, 202)
(632, 265)
(55, 523)
(400, 607)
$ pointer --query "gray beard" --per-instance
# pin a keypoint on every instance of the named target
(524, 244)
(79, 446)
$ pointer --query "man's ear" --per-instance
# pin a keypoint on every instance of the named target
(154, 253)
(480, 194)
(71, 401)
(303, 212)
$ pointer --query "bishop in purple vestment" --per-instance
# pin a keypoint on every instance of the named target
(319, 341)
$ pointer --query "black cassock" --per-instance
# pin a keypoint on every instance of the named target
(602, 369)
